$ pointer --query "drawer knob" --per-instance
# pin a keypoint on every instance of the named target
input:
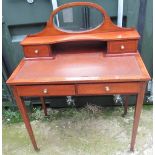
(45, 91)
(122, 47)
(107, 88)
(36, 51)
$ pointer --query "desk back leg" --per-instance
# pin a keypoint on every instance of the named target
(126, 103)
(137, 113)
(43, 105)
(23, 111)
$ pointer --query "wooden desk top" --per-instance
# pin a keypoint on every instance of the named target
(88, 67)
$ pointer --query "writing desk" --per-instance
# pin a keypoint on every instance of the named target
(103, 61)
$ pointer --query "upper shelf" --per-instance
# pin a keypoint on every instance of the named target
(105, 31)
(107, 36)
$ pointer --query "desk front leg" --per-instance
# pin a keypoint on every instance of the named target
(138, 108)
(23, 111)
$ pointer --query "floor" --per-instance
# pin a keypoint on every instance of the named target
(88, 131)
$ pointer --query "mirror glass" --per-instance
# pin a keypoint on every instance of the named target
(78, 18)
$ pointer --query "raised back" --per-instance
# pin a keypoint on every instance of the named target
(106, 26)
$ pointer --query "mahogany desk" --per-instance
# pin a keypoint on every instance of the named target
(103, 61)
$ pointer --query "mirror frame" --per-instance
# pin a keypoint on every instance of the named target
(106, 26)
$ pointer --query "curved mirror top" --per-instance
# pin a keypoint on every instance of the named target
(78, 19)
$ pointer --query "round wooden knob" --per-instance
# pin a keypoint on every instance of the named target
(36, 51)
(45, 91)
(122, 47)
(107, 88)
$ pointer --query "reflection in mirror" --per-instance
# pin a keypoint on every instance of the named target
(78, 18)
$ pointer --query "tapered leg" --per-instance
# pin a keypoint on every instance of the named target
(43, 105)
(23, 111)
(126, 105)
(138, 109)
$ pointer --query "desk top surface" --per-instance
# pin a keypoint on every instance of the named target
(80, 68)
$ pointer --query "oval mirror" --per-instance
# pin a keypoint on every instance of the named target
(78, 19)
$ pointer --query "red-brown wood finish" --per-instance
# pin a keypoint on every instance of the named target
(103, 61)
(138, 109)
(122, 46)
(79, 68)
(108, 88)
(37, 51)
(46, 90)
(43, 105)
(126, 105)
(23, 111)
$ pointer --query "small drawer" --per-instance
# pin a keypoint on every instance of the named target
(108, 88)
(37, 51)
(46, 90)
(129, 46)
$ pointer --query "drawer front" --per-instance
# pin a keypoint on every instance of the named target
(46, 90)
(108, 88)
(37, 51)
(122, 46)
